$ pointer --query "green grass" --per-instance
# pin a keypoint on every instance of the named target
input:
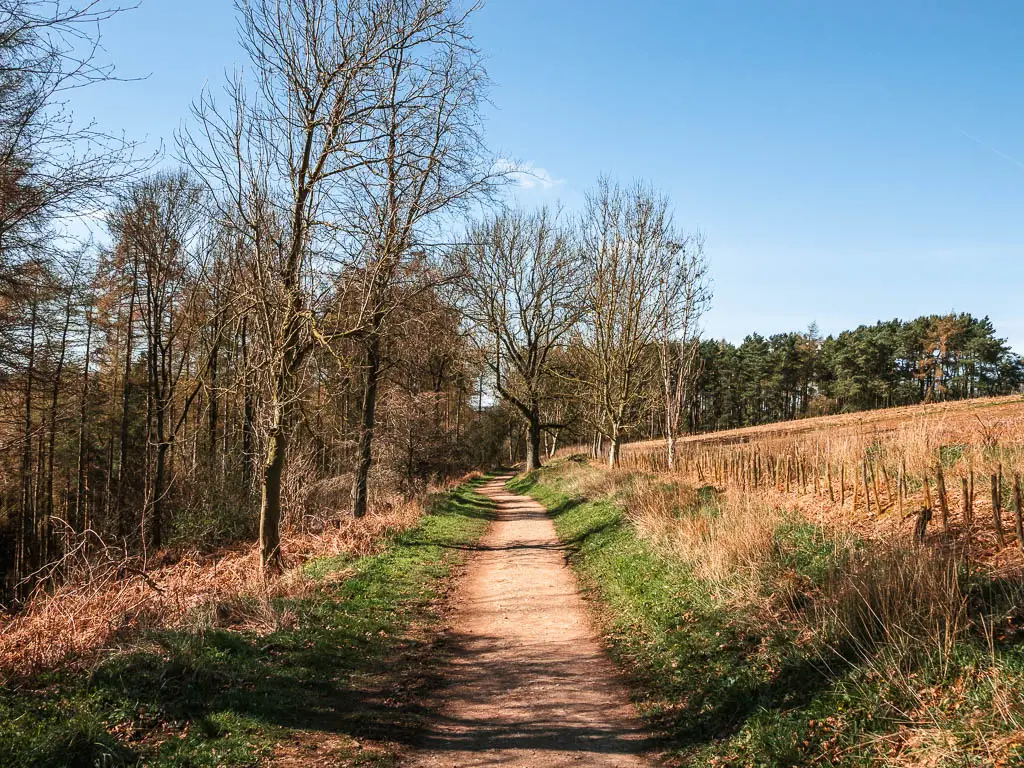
(722, 686)
(352, 665)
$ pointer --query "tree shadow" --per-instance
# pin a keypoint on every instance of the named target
(348, 667)
(543, 697)
(352, 659)
(720, 701)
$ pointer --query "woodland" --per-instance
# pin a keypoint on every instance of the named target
(320, 298)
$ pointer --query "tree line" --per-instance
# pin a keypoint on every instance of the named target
(319, 303)
(257, 330)
(891, 363)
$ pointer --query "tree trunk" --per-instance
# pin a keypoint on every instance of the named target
(27, 532)
(52, 447)
(533, 441)
(159, 491)
(81, 497)
(554, 445)
(364, 456)
(270, 504)
(122, 510)
(614, 445)
(248, 409)
(292, 355)
(214, 405)
(160, 471)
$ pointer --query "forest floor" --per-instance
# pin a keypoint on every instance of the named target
(527, 682)
(341, 681)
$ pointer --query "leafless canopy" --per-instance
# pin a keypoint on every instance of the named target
(522, 288)
(355, 125)
(51, 165)
(629, 236)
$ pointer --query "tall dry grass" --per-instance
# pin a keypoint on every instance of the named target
(948, 471)
(897, 609)
(104, 602)
(905, 600)
(719, 538)
(897, 595)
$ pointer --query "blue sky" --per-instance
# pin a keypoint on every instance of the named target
(846, 161)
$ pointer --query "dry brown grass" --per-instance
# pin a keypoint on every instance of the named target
(874, 472)
(720, 538)
(885, 605)
(107, 602)
(897, 597)
(892, 594)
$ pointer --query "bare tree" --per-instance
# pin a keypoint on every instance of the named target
(274, 157)
(426, 156)
(626, 233)
(315, 108)
(521, 289)
(51, 165)
(159, 221)
(684, 295)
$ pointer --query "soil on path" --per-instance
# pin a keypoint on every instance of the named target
(527, 683)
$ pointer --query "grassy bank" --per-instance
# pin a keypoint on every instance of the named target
(756, 639)
(338, 680)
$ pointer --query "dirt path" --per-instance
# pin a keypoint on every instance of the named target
(527, 681)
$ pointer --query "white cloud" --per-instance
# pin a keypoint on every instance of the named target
(527, 175)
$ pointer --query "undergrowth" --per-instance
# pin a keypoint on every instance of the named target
(345, 665)
(756, 638)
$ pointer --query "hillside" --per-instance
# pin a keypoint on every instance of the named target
(949, 470)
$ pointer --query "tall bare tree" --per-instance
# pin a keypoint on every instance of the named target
(521, 286)
(317, 106)
(426, 157)
(160, 221)
(684, 295)
(626, 232)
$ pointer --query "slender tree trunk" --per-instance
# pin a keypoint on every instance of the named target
(163, 445)
(270, 506)
(126, 390)
(248, 409)
(554, 444)
(159, 485)
(214, 404)
(52, 447)
(27, 533)
(147, 474)
(364, 456)
(81, 497)
(614, 447)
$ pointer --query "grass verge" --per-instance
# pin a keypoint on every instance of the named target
(727, 679)
(340, 680)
